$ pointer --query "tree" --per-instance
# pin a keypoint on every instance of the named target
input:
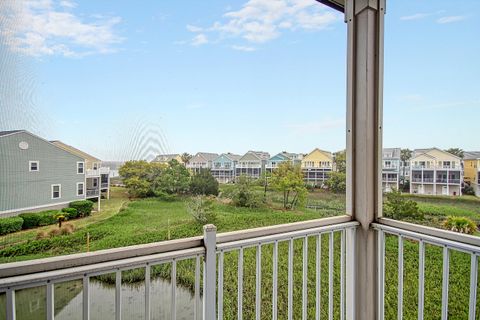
(174, 179)
(138, 187)
(202, 209)
(244, 194)
(139, 177)
(456, 151)
(185, 157)
(288, 179)
(337, 182)
(397, 207)
(204, 183)
(405, 155)
(340, 159)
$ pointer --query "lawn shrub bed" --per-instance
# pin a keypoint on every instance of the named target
(70, 213)
(9, 225)
(38, 219)
(83, 207)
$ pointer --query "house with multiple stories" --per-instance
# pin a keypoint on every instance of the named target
(36, 174)
(316, 166)
(166, 158)
(390, 169)
(252, 164)
(97, 176)
(435, 172)
(471, 167)
(202, 160)
(223, 168)
(276, 160)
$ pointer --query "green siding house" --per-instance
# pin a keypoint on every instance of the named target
(36, 175)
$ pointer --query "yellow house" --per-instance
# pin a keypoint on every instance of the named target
(471, 164)
(97, 177)
(316, 166)
(435, 172)
(165, 158)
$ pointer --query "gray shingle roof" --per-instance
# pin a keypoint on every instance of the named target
(471, 155)
(5, 133)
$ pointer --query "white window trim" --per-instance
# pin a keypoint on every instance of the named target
(30, 166)
(83, 189)
(83, 168)
(59, 191)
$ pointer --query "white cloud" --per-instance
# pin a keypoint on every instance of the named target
(416, 16)
(192, 28)
(199, 39)
(451, 19)
(244, 48)
(43, 27)
(259, 21)
(315, 127)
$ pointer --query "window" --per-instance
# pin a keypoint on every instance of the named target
(95, 182)
(80, 188)
(56, 191)
(80, 167)
(33, 166)
(95, 166)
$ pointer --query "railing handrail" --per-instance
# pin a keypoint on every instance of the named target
(88, 258)
(458, 241)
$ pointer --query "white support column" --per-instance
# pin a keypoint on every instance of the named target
(209, 271)
(364, 143)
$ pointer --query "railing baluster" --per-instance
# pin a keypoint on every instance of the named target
(342, 275)
(258, 283)
(330, 276)
(305, 278)
(147, 292)
(318, 259)
(173, 304)
(400, 279)
(86, 297)
(290, 279)
(421, 278)
(350, 247)
(50, 301)
(274, 280)
(118, 295)
(446, 267)
(197, 288)
(11, 314)
(381, 274)
(240, 285)
(220, 286)
(209, 271)
(473, 286)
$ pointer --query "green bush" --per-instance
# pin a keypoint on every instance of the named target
(336, 182)
(37, 219)
(202, 209)
(460, 224)
(9, 225)
(84, 207)
(70, 213)
(397, 207)
(468, 190)
(203, 183)
(244, 195)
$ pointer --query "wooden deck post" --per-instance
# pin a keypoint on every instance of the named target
(364, 144)
(209, 272)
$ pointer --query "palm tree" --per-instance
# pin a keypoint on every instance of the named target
(186, 157)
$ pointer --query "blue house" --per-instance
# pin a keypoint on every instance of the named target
(277, 159)
(223, 168)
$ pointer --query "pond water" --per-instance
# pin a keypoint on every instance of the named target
(30, 303)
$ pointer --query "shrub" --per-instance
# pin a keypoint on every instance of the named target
(42, 235)
(165, 196)
(460, 224)
(468, 190)
(243, 194)
(54, 232)
(38, 219)
(202, 209)
(83, 207)
(70, 213)
(397, 207)
(336, 182)
(204, 183)
(9, 225)
(67, 229)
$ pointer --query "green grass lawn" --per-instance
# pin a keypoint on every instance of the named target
(149, 220)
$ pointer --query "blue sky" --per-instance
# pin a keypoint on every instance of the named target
(122, 80)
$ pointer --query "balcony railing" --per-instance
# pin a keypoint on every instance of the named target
(93, 192)
(97, 172)
(425, 180)
(104, 185)
(432, 167)
(249, 248)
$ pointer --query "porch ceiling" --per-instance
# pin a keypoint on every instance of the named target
(335, 4)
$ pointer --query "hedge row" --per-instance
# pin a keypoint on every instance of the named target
(31, 220)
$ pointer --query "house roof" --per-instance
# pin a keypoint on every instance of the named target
(471, 155)
(6, 133)
(418, 152)
(207, 155)
(395, 152)
(74, 150)
(231, 156)
(165, 157)
(328, 153)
